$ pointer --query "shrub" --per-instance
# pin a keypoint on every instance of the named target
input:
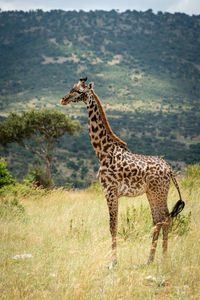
(37, 177)
(5, 176)
(135, 223)
(181, 224)
(20, 190)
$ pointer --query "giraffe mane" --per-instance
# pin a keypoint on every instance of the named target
(105, 121)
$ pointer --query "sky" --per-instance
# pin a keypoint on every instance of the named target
(189, 7)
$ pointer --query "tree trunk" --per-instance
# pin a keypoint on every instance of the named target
(48, 172)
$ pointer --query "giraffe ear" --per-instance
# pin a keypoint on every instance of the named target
(91, 85)
(81, 82)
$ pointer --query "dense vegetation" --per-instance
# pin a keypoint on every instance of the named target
(146, 69)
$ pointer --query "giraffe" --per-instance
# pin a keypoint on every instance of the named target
(122, 173)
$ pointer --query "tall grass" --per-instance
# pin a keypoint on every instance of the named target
(67, 234)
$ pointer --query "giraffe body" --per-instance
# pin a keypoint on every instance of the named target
(123, 173)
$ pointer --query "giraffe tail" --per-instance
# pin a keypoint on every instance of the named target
(180, 204)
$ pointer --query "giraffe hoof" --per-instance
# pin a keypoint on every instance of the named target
(150, 261)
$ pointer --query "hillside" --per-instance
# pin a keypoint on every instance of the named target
(146, 69)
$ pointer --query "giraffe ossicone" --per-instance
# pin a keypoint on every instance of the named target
(123, 173)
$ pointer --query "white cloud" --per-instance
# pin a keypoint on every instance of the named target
(16, 5)
(187, 6)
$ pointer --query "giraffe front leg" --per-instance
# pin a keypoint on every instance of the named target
(112, 201)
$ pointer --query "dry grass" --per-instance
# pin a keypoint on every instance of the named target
(68, 236)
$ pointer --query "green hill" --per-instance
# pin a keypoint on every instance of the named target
(146, 69)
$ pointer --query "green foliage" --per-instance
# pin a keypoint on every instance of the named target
(11, 208)
(181, 224)
(38, 131)
(36, 177)
(131, 220)
(44, 126)
(5, 176)
(21, 190)
(153, 43)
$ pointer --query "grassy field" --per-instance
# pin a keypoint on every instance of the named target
(65, 239)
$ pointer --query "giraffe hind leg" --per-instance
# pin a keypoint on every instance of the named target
(165, 229)
(156, 232)
(161, 219)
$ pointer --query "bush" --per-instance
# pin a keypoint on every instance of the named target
(181, 224)
(5, 176)
(20, 190)
(135, 223)
(36, 177)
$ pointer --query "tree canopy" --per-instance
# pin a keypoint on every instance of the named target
(39, 131)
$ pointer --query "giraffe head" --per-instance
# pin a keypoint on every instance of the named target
(80, 92)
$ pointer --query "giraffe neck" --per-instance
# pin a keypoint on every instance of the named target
(102, 137)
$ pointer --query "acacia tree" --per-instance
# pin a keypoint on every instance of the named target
(38, 131)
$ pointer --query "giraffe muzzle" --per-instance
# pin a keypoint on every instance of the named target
(64, 101)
